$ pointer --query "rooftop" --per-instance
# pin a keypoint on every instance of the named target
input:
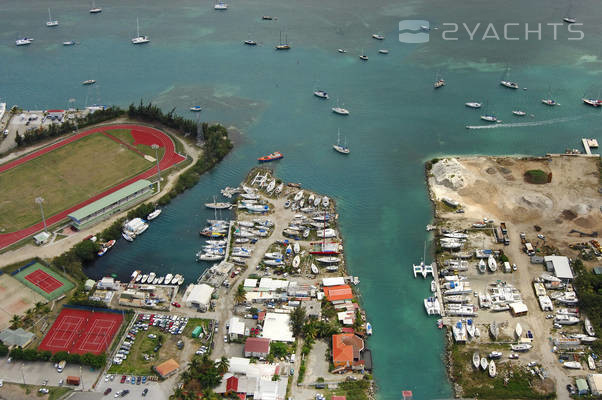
(339, 292)
(167, 368)
(346, 347)
(277, 327)
(561, 266)
(257, 345)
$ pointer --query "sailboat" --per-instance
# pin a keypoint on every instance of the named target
(505, 82)
(568, 17)
(341, 149)
(519, 112)
(549, 101)
(139, 39)
(489, 117)
(285, 45)
(473, 104)
(94, 9)
(363, 56)
(51, 22)
(340, 110)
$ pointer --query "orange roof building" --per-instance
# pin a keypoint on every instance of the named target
(346, 350)
(167, 368)
(338, 293)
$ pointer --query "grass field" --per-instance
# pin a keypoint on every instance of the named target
(64, 177)
(67, 285)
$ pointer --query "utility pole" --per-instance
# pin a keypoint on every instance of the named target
(39, 201)
(156, 147)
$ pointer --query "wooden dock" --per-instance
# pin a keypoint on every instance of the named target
(438, 292)
(586, 146)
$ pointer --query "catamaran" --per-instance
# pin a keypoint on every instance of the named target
(139, 39)
(51, 22)
(343, 149)
(220, 6)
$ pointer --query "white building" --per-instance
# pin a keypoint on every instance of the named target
(333, 281)
(198, 296)
(277, 327)
(250, 284)
(595, 384)
(268, 284)
(560, 266)
(41, 238)
(236, 328)
(108, 283)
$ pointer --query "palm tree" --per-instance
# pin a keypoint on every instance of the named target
(15, 321)
(38, 306)
(241, 294)
(222, 365)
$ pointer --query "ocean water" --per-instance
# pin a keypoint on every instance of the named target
(397, 120)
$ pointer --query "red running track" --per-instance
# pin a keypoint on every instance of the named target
(141, 134)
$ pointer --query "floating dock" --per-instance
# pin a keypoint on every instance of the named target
(589, 144)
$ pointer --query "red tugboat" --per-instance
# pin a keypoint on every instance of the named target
(271, 157)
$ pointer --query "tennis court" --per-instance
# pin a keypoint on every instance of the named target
(43, 280)
(82, 331)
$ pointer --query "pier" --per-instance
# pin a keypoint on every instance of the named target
(438, 287)
(588, 144)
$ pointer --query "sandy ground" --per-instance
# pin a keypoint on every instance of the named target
(15, 298)
(494, 188)
(58, 247)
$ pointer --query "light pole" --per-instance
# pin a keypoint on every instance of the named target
(22, 374)
(40, 200)
(156, 148)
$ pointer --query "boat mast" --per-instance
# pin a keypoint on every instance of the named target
(137, 28)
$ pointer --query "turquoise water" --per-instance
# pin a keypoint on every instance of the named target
(397, 120)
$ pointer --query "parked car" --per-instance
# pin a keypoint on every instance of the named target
(44, 390)
(177, 305)
(144, 392)
(123, 377)
(107, 391)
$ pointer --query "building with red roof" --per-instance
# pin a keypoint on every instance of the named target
(346, 351)
(257, 347)
(338, 293)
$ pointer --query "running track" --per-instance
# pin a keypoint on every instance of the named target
(141, 134)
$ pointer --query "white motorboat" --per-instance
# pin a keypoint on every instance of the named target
(591, 363)
(572, 364)
(592, 102)
(160, 280)
(484, 363)
(317, 201)
(153, 215)
(342, 51)
(471, 104)
(314, 269)
(144, 278)
(521, 347)
(489, 118)
(24, 41)
(492, 369)
(433, 286)
(168, 279)
(565, 319)
(88, 82)
(363, 57)
(177, 279)
(589, 329)
(220, 6)
(328, 260)
(94, 9)
(518, 330)
(138, 278)
(368, 328)
(343, 149)
(299, 195)
(509, 84)
(139, 39)
(492, 263)
(325, 201)
(476, 360)
(273, 263)
(383, 51)
(51, 22)
(128, 237)
(296, 261)
(569, 20)
(210, 257)
(378, 36)
(250, 42)
(297, 248)
(196, 108)
(69, 43)
(321, 94)
(494, 355)
(519, 113)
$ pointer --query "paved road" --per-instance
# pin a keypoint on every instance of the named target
(142, 134)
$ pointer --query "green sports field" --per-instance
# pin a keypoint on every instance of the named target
(64, 177)
(66, 284)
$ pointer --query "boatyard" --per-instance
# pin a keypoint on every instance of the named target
(504, 288)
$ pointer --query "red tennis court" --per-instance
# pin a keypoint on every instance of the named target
(44, 281)
(82, 331)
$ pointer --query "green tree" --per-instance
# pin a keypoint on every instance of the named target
(86, 250)
(222, 365)
(297, 320)
(278, 349)
(241, 294)
(15, 321)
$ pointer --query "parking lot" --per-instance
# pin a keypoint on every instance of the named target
(155, 390)
(36, 372)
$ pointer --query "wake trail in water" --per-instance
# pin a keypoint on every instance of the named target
(527, 124)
